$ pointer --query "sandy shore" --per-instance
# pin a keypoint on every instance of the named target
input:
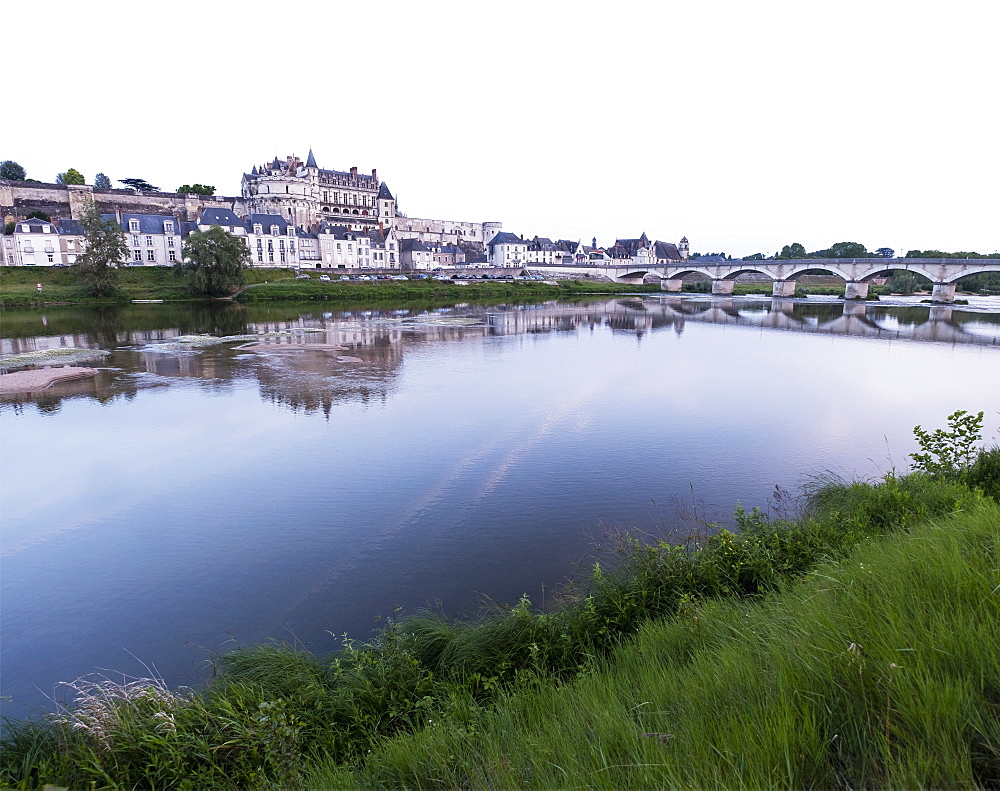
(40, 379)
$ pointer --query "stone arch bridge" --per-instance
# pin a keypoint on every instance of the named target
(858, 273)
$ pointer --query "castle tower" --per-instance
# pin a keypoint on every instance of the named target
(386, 208)
(684, 249)
(284, 188)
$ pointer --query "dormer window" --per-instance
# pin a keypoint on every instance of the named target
(133, 225)
(168, 226)
(274, 230)
(258, 229)
(25, 228)
(291, 230)
(46, 229)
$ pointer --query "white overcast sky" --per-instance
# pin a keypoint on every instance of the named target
(742, 125)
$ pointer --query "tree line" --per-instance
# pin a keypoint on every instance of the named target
(12, 171)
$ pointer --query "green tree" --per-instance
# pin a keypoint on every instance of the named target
(139, 184)
(215, 262)
(848, 250)
(37, 215)
(104, 251)
(102, 182)
(196, 189)
(71, 176)
(8, 227)
(9, 169)
(793, 250)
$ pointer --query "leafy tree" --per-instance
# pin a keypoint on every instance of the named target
(102, 182)
(139, 184)
(215, 262)
(37, 215)
(793, 250)
(9, 169)
(848, 250)
(885, 252)
(71, 176)
(8, 227)
(104, 251)
(196, 189)
(754, 257)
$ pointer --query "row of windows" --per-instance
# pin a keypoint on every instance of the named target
(151, 255)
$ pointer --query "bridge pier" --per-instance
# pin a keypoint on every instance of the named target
(783, 288)
(723, 287)
(856, 290)
(943, 292)
(672, 284)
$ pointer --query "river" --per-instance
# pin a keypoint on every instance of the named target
(328, 468)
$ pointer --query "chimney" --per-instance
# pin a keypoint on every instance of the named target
(374, 174)
(354, 171)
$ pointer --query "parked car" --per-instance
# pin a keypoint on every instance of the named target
(324, 277)
(303, 276)
(400, 277)
(344, 277)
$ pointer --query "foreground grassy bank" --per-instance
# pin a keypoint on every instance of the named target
(854, 646)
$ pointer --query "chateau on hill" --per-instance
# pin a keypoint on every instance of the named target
(291, 213)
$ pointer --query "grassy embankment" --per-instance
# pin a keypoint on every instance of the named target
(61, 285)
(856, 646)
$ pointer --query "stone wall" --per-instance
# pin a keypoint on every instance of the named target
(19, 198)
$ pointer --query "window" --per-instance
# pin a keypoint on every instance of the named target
(258, 229)
(149, 241)
(50, 258)
(281, 245)
(274, 229)
(151, 255)
(168, 227)
(133, 225)
(170, 241)
(270, 257)
(171, 255)
(260, 256)
(70, 244)
(282, 254)
(260, 244)
(135, 241)
(137, 255)
(46, 229)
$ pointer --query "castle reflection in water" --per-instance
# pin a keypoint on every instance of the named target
(313, 360)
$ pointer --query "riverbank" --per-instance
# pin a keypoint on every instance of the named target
(62, 286)
(781, 640)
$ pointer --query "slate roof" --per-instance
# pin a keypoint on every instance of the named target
(34, 222)
(412, 246)
(383, 193)
(506, 238)
(311, 160)
(219, 217)
(69, 227)
(149, 223)
(266, 220)
(187, 228)
(667, 250)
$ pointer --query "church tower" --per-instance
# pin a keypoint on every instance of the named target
(683, 249)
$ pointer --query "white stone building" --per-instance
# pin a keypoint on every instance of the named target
(507, 249)
(153, 239)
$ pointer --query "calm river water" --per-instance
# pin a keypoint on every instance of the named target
(193, 495)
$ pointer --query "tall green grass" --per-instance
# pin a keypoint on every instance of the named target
(881, 670)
